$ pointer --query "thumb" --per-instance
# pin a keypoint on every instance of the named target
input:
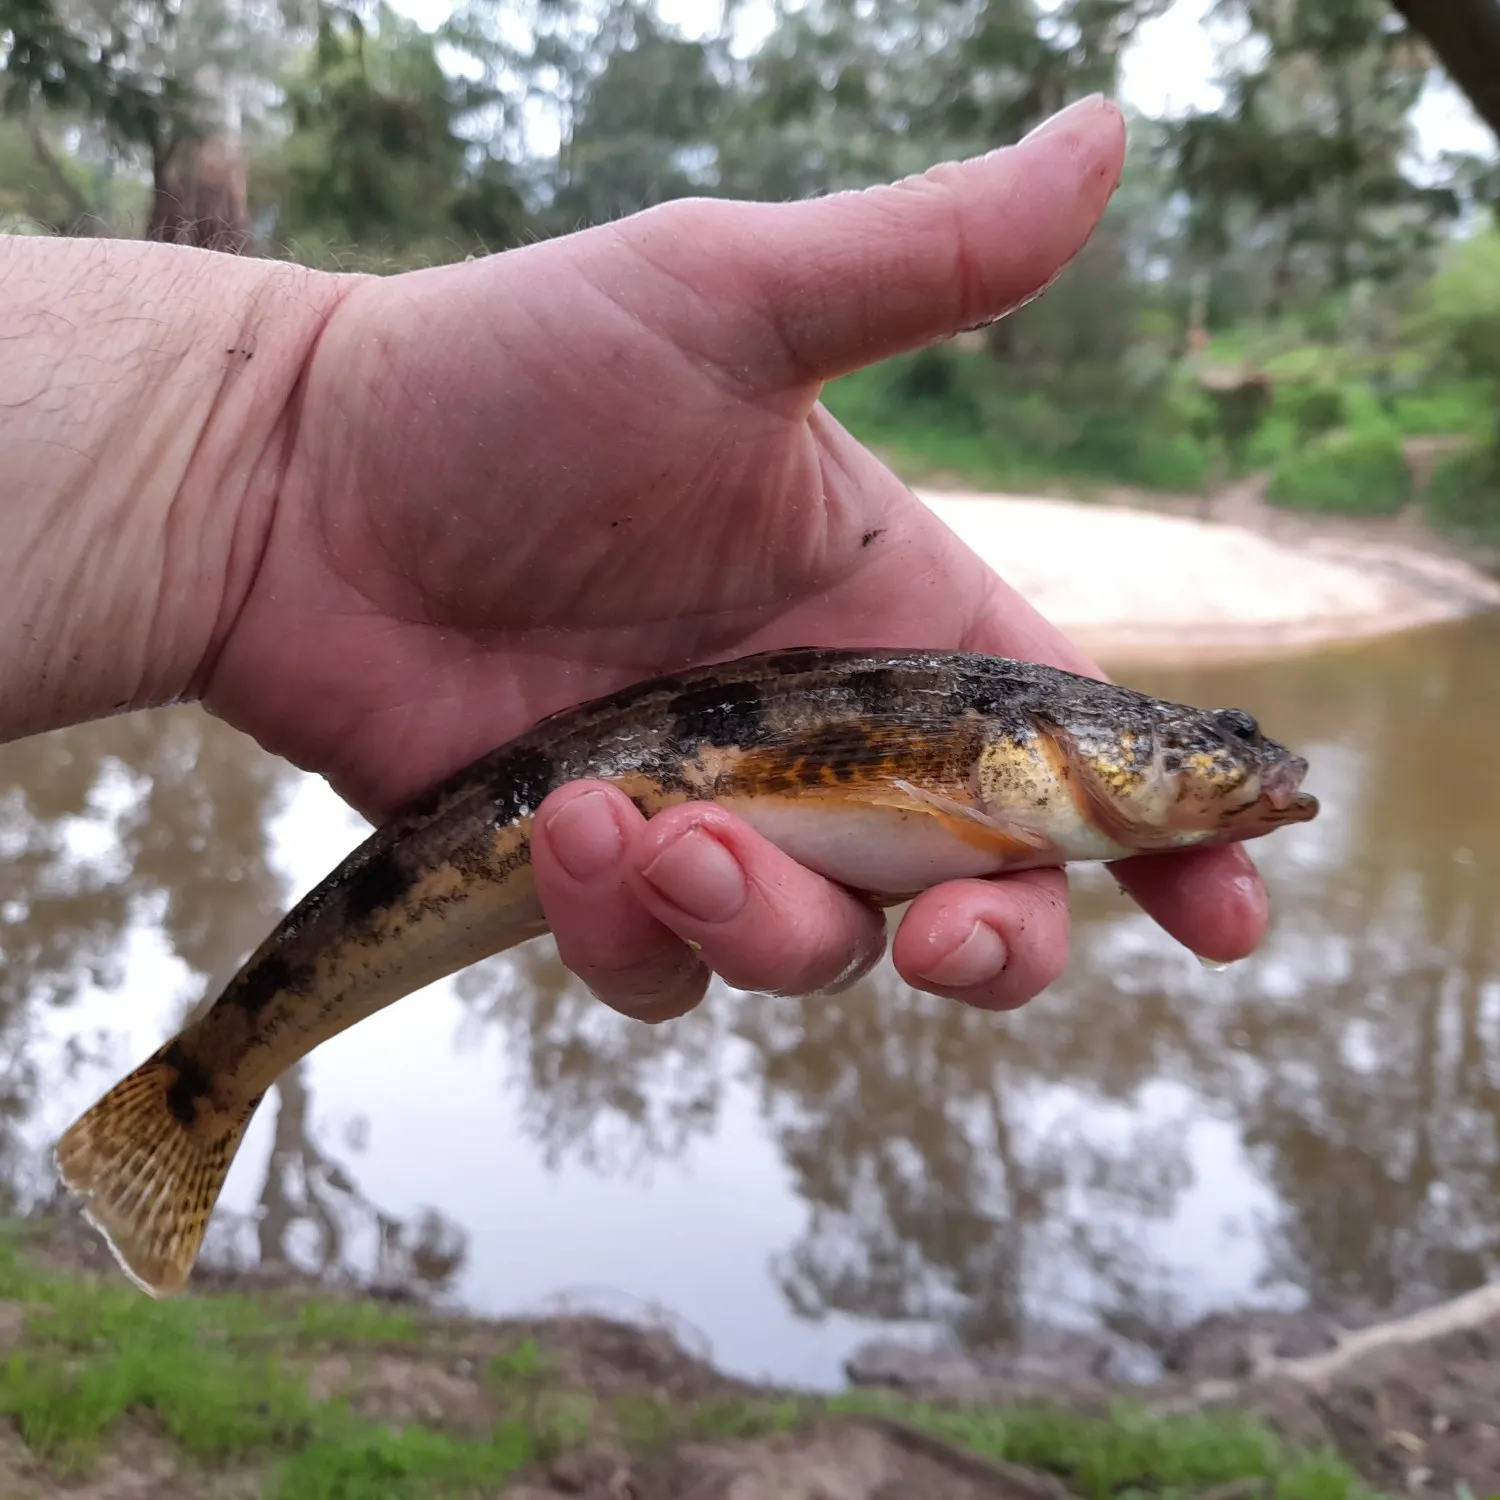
(843, 281)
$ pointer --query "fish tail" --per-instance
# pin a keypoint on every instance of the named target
(148, 1161)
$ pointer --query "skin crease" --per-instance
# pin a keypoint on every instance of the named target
(501, 488)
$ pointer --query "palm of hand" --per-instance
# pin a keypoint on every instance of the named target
(617, 503)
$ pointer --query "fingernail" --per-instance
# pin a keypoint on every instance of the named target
(699, 876)
(979, 958)
(585, 837)
(1053, 122)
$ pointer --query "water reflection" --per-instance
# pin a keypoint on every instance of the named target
(611, 1097)
(1147, 1140)
(1372, 1103)
(946, 1171)
(158, 828)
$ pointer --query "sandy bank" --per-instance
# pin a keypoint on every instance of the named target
(1134, 584)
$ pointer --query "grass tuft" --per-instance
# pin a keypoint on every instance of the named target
(1130, 1451)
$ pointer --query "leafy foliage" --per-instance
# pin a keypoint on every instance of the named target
(1347, 473)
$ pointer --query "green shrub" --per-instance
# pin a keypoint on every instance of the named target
(1175, 461)
(1344, 473)
(1300, 362)
(1312, 407)
(1275, 439)
(1463, 315)
(1465, 492)
(1365, 410)
(1456, 406)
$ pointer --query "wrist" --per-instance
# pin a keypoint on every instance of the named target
(148, 395)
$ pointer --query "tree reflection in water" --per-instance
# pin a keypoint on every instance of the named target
(159, 823)
(607, 1093)
(1371, 1106)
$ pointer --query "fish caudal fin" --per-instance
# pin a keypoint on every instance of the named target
(149, 1178)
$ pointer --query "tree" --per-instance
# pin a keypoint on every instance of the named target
(844, 94)
(1303, 169)
(51, 66)
(371, 156)
(643, 130)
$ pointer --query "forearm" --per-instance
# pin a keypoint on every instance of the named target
(147, 397)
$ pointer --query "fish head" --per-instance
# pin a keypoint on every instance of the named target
(1227, 779)
(1154, 775)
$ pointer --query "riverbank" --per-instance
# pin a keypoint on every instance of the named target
(254, 1386)
(1141, 580)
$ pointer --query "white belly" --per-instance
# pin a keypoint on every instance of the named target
(886, 850)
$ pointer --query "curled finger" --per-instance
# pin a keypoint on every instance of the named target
(993, 943)
(627, 958)
(762, 921)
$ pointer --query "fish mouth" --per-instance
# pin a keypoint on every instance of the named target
(1281, 791)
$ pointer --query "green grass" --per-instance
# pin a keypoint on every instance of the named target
(1130, 1452)
(222, 1382)
(362, 1462)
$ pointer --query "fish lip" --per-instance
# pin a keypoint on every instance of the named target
(1302, 808)
(1281, 785)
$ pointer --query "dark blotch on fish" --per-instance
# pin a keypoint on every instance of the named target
(381, 883)
(519, 780)
(264, 981)
(874, 691)
(192, 1085)
(724, 714)
(982, 692)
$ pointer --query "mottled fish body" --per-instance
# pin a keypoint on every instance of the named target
(887, 771)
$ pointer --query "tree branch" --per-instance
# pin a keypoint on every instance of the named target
(1465, 34)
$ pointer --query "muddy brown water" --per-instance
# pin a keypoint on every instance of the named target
(1145, 1143)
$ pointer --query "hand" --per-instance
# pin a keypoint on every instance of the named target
(517, 483)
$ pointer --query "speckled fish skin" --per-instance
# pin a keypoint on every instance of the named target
(887, 770)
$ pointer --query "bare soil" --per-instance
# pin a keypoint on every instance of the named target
(1414, 1418)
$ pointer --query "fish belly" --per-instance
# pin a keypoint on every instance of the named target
(885, 850)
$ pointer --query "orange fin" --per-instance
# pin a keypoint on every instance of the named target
(975, 826)
(148, 1181)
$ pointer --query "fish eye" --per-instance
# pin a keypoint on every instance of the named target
(1238, 723)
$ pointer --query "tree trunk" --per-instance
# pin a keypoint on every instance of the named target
(198, 197)
(1465, 34)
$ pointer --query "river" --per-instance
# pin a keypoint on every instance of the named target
(1146, 1142)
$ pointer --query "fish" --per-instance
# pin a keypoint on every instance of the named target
(888, 771)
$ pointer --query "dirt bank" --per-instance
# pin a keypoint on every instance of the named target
(1231, 577)
(581, 1406)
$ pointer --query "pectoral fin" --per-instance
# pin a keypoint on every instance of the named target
(1006, 836)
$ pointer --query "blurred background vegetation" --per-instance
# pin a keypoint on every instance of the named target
(1287, 291)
